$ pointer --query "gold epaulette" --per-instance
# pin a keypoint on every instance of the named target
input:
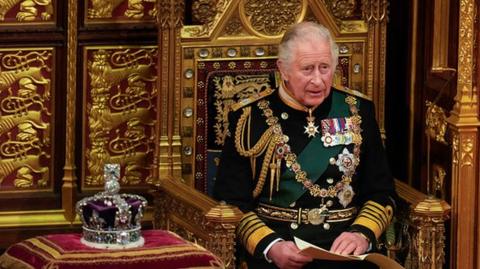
(252, 99)
(352, 92)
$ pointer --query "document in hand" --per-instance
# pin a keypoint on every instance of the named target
(322, 254)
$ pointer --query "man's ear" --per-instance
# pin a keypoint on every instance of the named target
(282, 68)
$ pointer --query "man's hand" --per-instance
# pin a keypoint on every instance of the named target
(350, 243)
(285, 255)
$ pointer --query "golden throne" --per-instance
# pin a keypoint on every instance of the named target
(228, 54)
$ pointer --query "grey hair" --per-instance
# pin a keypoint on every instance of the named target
(306, 31)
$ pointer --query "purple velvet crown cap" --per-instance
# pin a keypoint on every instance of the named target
(112, 220)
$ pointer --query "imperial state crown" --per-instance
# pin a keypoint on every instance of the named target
(109, 219)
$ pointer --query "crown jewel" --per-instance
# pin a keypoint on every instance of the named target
(110, 219)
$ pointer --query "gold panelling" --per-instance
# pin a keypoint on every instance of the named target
(120, 11)
(440, 32)
(19, 12)
(26, 109)
(118, 117)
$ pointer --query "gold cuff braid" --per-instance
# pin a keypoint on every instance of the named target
(251, 230)
(375, 217)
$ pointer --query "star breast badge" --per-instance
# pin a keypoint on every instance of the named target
(311, 129)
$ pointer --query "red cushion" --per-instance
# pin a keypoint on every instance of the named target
(162, 249)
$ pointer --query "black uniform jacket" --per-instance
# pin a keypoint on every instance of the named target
(372, 184)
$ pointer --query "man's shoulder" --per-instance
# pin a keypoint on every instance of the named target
(252, 99)
(350, 92)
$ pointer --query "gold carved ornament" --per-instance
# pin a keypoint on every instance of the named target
(119, 115)
(342, 9)
(269, 21)
(436, 122)
(207, 12)
(22, 108)
(204, 11)
(103, 9)
(28, 9)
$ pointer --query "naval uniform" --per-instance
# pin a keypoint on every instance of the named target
(315, 184)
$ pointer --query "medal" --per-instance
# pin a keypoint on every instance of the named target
(337, 131)
(311, 129)
(346, 162)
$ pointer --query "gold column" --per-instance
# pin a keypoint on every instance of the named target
(69, 187)
(170, 22)
(464, 122)
(375, 13)
(428, 218)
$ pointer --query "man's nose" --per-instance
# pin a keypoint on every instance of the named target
(317, 78)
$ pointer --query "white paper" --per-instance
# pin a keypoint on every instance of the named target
(316, 252)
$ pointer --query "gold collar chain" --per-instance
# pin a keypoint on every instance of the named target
(291, 161)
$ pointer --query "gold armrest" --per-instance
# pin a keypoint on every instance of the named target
(197, 217)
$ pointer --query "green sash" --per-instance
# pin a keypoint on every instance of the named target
(314, 159)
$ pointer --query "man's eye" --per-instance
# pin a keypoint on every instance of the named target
(324, 68)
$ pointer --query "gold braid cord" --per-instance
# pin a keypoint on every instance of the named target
(266, 144)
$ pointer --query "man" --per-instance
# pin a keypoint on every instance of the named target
(306, 161)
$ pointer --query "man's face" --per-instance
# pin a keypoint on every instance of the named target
(309, 75)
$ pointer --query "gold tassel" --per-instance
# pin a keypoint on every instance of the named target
(272, 176)
(279, 166)
(253, 165)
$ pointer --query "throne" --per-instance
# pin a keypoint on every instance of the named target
(228, 55)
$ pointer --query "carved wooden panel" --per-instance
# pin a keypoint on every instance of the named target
(118, 116)
(27, 118)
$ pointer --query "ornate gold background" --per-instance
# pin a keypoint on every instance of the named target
(26, 109)
(119, 103)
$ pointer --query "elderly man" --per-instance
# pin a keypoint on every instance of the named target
(306, 161)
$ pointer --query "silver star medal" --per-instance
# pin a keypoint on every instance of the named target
(311, 129)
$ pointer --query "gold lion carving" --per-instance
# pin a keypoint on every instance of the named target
(104, 8)
(28, 9)
(32, 162)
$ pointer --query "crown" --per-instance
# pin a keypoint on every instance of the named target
(109, 219)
